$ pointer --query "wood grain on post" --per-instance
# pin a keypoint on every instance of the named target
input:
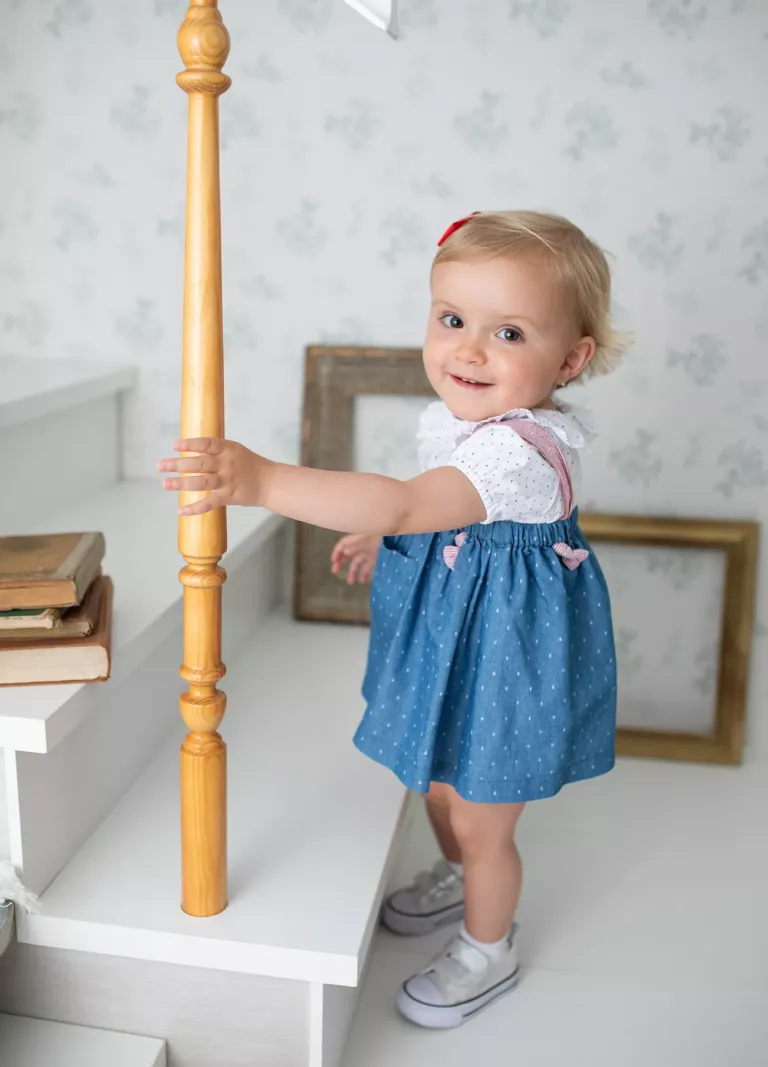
(204, 46)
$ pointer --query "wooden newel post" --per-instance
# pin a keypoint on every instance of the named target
(204, 46)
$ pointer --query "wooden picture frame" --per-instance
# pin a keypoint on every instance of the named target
(337, 376)
(739, 543)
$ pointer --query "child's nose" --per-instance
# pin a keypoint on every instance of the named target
(471, 353)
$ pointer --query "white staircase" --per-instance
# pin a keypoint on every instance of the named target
(51, 413)
(91, 781)
(37, 1043)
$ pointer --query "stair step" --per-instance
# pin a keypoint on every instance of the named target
(51, 412)
(35, 1043)
(312, 826)
(139, 523)
(39, 388)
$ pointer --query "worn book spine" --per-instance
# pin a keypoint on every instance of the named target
(79, 621)
(12, 675)
(63, 588)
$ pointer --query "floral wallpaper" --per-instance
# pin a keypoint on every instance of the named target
(344, 156)
(667, 659)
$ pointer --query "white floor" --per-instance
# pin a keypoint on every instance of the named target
(644, 933)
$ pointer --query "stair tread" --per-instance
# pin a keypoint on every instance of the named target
(28, 1042)
(139, 523)
(35, 388)
(311, 829)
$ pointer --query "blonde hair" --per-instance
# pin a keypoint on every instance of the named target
(574, 261)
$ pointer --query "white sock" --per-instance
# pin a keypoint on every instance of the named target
(493, 949)
(456, 867)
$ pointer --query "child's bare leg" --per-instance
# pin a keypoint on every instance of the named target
(493, 871)
(438, 808)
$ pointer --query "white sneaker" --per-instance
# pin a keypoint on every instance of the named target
(458, 984)
(435, 899)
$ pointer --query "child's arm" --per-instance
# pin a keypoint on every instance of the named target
(441, 499)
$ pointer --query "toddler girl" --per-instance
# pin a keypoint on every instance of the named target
(491, 676)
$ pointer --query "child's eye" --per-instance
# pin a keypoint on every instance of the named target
(509, 333)
(453, 322)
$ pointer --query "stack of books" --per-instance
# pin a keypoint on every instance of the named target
(55, 609)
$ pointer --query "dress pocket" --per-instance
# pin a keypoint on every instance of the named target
(400, 544)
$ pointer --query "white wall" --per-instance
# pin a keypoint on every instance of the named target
(345, 156)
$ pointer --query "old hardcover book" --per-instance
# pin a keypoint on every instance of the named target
(79, 621)
(23, 619)
(48, 570)
(71, 659)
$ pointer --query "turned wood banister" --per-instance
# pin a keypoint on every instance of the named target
(203, 43)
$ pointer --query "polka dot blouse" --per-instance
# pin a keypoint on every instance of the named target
(514, 482)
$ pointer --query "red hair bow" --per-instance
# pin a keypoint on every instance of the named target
(456, 226)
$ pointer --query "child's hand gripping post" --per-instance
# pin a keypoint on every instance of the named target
(369, 504)
(229, 472)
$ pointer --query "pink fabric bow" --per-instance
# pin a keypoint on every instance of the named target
(571, 557)
(451, 552)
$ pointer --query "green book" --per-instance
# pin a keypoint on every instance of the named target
(30, 618)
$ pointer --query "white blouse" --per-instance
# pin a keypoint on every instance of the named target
(514, 481)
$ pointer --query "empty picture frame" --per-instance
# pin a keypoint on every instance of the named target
(337, 379)
(682, 592)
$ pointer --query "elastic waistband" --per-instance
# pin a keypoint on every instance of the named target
(528, 534)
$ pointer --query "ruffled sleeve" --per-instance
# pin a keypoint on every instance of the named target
(570, 425)
(513, 480)
(435, 437)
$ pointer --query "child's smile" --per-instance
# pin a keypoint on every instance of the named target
(498, 337)
(469, 383)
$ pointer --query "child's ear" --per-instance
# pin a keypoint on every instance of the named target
(578, 357)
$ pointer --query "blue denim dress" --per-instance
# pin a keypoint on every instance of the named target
(491, 664)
